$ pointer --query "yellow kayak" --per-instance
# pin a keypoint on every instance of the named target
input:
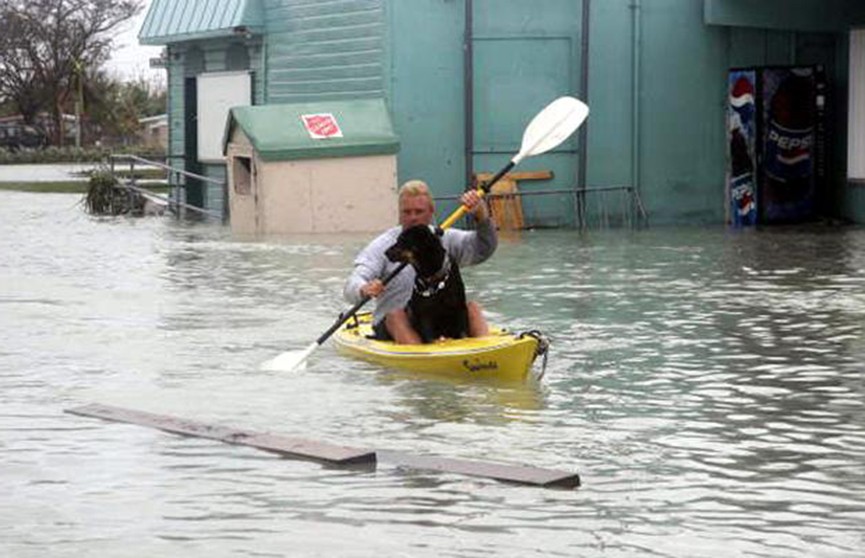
(499, 356)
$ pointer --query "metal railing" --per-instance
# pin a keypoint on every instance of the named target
(179, 183)
(631, 212)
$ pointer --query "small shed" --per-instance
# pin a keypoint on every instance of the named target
(311, 167)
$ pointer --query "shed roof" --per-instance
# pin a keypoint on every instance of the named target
(277, 132)
(171, 21)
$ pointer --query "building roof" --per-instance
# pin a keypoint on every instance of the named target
(278, 133)
(171, 21)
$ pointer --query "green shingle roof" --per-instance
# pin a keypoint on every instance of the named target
(170, 21)
(277, 131)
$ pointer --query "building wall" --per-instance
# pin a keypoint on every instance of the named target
(670, 140)
(523, 58)
(311, 50)
(657, 92)
(185, 61)
(324, 50)
(681, 93)
(678, 160)
(426, 91)
(657, 88)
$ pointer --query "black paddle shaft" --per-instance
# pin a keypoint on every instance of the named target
(354, 309)
(498, 176)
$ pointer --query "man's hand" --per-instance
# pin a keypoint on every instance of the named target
(475, 204)
(373, 288)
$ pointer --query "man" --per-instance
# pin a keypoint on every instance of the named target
(416, 207)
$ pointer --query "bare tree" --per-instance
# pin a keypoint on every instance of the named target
(116, 106)
(47, 45)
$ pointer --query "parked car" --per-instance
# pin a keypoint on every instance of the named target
(23, 137)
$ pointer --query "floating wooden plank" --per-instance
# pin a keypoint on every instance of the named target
(519, 474)
(284, 445)
(329, 453)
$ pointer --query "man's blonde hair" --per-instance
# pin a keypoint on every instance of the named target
(414, 188)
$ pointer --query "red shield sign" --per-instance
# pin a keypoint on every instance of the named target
(321, 126)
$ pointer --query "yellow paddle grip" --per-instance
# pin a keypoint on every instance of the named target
(461, 210)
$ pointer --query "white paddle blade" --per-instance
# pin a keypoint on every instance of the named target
(552, 126)
(289, 361)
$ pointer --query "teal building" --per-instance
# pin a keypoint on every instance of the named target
(462, 78)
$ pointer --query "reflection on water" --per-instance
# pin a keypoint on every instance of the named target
(706, 384)
(448, 399)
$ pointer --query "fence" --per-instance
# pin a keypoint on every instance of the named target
(178, 183)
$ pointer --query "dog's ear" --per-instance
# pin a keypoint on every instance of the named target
(394, 252)
(401, 250)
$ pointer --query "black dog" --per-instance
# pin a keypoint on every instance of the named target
(438, 303)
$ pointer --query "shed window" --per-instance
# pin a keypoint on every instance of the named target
(242, 170)
(856, 118)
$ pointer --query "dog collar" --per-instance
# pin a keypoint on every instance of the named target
(429, 286)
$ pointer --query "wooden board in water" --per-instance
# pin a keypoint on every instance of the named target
(330, 453)
(277, 443)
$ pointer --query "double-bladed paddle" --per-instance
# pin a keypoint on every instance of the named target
(549, 128)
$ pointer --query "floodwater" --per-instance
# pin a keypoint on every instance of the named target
(707, 385)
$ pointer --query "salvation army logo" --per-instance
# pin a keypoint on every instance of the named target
(321, 126)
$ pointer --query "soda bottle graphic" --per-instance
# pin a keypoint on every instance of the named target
(740, 156)
(789, 145)
(742, 101)
(741, 122)
(741, 179)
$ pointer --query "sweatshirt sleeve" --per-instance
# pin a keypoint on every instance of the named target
(472, 247)
(370, 263)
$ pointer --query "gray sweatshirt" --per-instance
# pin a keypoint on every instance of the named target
(464, 247)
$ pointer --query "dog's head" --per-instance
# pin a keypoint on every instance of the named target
(421, 248)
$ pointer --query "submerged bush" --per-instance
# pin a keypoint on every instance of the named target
(104, 197)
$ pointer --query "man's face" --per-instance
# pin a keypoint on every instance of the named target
(415, 210)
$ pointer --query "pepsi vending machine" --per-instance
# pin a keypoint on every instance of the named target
(773, 127)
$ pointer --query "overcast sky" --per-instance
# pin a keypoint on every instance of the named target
(131, 60)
